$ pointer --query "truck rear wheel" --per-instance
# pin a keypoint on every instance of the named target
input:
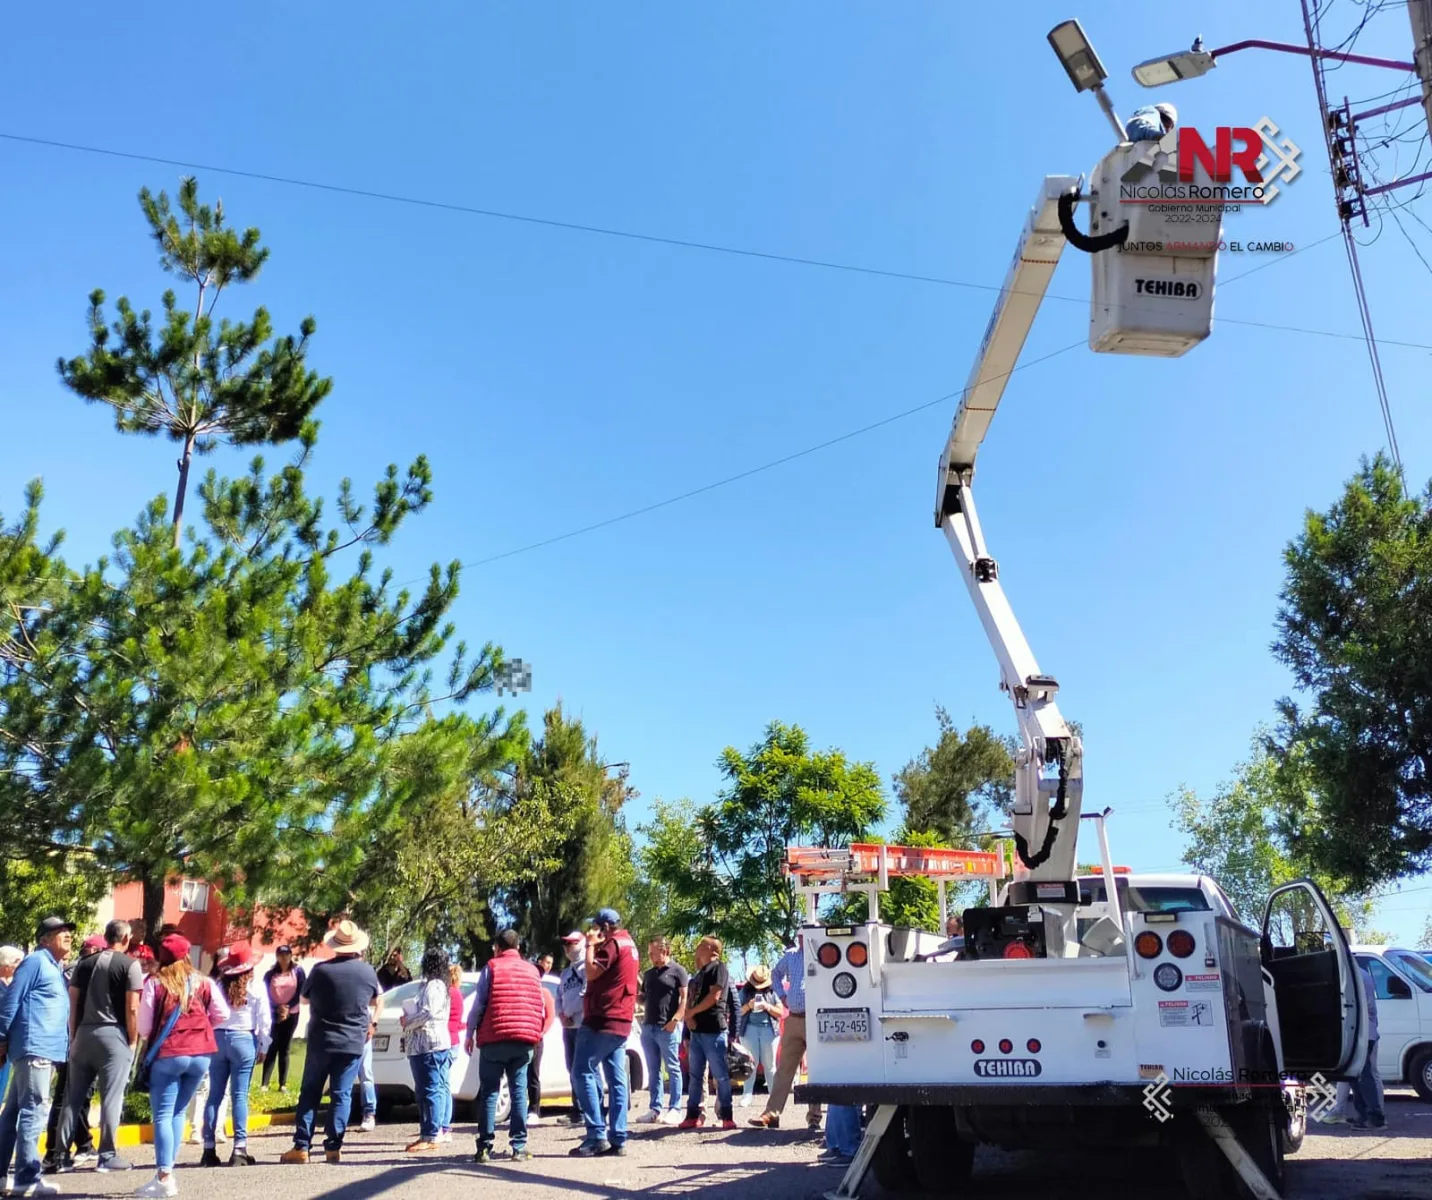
(893, 1167)
(942, 1161)
(1207, 1172)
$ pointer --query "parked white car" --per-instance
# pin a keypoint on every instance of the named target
(1403, 979)
(394, 1079)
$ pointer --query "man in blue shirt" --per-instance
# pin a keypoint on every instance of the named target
(34, 1037)
(788, 982)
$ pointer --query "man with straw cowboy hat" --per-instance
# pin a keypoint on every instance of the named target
(342, 995)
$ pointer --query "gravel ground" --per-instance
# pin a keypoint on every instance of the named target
(778, 1165)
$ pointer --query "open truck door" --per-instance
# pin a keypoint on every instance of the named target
(1322, 1012)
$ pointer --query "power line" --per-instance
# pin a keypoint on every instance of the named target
(651, 238)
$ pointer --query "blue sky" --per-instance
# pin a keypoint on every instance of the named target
(557, 378)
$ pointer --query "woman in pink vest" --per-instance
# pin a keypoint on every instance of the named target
(455, 1037)
(178, 1010)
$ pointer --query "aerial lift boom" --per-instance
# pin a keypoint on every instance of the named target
(1049, 772)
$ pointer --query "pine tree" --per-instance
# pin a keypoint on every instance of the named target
(194, 381)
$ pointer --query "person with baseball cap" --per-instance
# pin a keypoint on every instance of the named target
(571, 994)
(342, 995)
(34, 1037)
(178, 1012)
(613, 971)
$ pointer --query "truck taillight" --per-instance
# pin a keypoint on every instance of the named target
(1181, 943)
(1148, 944)
(828, 955)
(857, 954)
(1017, 950)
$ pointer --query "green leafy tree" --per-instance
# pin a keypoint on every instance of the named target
(193, 380)
(595, 858)
(223, 711)
(951, 789)
(778, 793)
(1240, 837)
(1355, 629)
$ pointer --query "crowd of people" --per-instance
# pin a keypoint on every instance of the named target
(128, 1015)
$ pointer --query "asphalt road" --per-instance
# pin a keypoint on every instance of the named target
(756, 1165)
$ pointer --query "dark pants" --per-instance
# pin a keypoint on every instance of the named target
(1367, 1090)
(534, 1082)
(278, 1052)
(84, 1139)
(325, 1068)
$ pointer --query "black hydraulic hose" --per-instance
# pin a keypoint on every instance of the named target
(1057, 813)
(1077, 237)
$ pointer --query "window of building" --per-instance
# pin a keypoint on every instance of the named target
(193, 896)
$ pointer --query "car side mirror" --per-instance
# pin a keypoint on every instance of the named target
(1397, 989)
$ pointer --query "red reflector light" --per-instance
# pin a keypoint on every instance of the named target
(1033, 1045)
(1017, 950)
(1006, 1046)
(1148, 944)
(857, 954)
(977, 1046)
(828, 955)
(1181, 943)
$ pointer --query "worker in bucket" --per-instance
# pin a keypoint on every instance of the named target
(1150, 124)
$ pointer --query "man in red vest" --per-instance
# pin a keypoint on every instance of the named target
(608, 1014)
(507, 1020)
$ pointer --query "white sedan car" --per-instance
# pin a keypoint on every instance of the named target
(394, 1079)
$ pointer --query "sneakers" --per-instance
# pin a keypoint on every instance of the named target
(53, 1166)
(220, 1136)
(483, 1155)
(196, 1136)
(112, 1163)
(39, 1188)
(83, 1158)
(522, 1155)
(1359, 1123)
(157, 1187)
(573, 1119)
(650, 1118)
(590, 1149)
(672, 1116)
(766, 1121)
(537, 1119)
(444, 1136)
(240, 1157)
(614, 1150)
(813, 1122)
(693, 1121)
(746, 1101)
(298, 1154)
(368, 1124)
(209, 1158)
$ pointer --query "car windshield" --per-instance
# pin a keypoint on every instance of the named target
(1415, 966)
(1151, 899)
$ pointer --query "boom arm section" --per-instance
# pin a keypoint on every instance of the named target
(1049, 772)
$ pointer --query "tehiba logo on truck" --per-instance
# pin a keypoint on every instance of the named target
(1007, 1068)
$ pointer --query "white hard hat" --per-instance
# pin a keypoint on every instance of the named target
(1169, 111)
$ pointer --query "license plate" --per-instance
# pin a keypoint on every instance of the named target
(380, 1043)
(842, 1025)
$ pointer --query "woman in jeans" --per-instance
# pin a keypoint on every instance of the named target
(284, 984)
(181, 1055)
(242, 1040)
(760, 1010)
(427, 1045)
(455, 1030)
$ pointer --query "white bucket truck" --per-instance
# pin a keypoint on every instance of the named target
(1069, 1020)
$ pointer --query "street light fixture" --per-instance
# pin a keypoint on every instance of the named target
(1188, 64)
(1077, 56)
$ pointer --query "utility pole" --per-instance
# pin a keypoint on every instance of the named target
(1420, 12)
